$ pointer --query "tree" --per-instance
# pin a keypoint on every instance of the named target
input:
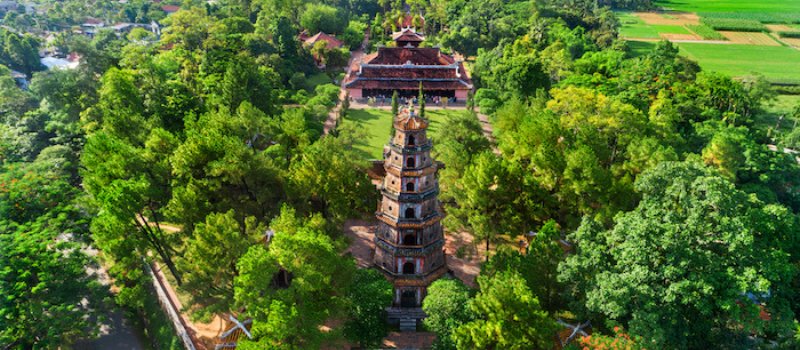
(518, 324)
(44, 283)
(421, 99)
(353, 35)
(678, 269)
(327, 178)
(444, 306)
(209, 260)
(368, 295)
(538, 266)
(323, 18)
(291, 287)
(492, 198)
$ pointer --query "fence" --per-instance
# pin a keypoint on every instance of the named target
(169, 308)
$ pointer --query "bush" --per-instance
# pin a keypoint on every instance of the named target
(487, 100)
(297, 81)
(734, 24)
(706, 32)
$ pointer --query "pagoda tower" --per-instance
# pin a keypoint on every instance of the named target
(409, 241)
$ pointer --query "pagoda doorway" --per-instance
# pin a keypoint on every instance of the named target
(408, 268)
(408, 298)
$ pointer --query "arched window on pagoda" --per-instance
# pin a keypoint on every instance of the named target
(410, 213)
(411, 140)
(410, 239)
(410, 187)
(410, 162)
(408, 268)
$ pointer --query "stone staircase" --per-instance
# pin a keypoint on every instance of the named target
(406, 318)
(408, 325)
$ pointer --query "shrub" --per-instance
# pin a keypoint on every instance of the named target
(734, 24)
(706, 32)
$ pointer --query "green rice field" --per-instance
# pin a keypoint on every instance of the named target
(377, 125)
(776, 63)
(732, 6)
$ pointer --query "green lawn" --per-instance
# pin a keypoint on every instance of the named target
(751, 6)
(376, 123)
(777, 63)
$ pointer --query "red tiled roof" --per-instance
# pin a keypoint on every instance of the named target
(427, 85)
(407, 34)
(430, 56)
(408, 73)
(170, 8)
(333, 43)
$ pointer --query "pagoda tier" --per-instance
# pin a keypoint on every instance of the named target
(409, 241)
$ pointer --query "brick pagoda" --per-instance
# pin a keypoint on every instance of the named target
(409, 241)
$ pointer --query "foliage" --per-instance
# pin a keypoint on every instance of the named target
(445, 307)
(323, 18)
(291, 287)
(518, 324)
(210, 256)
(369, 294)
(689, 219)
(353, 35)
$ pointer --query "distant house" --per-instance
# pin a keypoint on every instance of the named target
(6, 5)
(330, 40)
(121, 28)
(71, 62)
(170, 9)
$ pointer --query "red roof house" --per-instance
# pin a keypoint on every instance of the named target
(332, 42)
(170, 9)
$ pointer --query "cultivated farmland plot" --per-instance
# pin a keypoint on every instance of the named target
(735, 37)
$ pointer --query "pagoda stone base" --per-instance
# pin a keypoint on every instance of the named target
(407, 318)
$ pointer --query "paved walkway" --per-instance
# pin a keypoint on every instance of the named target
(116, 331)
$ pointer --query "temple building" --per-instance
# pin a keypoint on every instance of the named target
(409, 244)
(403, 67)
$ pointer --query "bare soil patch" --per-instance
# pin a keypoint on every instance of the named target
(674, 37)
(669, 18)
(748, 38)
(793, 42)
(780, 28)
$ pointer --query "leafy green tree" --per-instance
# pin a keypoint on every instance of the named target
(319, 17)
(291, 287)
(369, 295)
(538, 266)
(209, 260)
(445, 309)
(678, 269)
(44, 283)
(492, 198)
(519, 324)
(328, 178)
(421, 99)
(353, 35)
(456, 148)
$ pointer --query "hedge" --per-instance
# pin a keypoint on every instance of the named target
(789, 34)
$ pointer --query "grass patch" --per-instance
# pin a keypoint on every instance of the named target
(640, 48)
(376, 123)
(706, 32)
(782, 106)
(777, 63)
